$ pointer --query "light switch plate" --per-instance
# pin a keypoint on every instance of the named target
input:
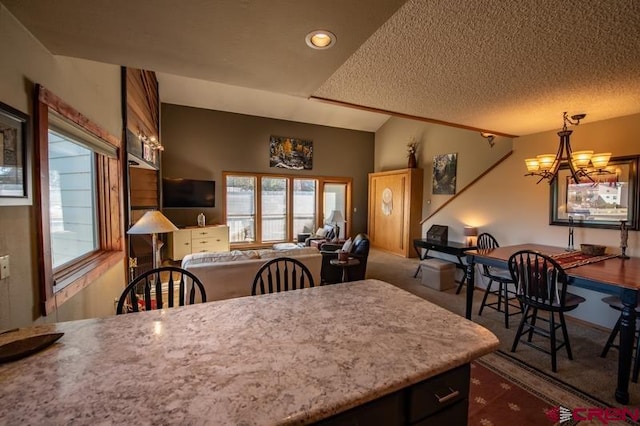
(4, 267)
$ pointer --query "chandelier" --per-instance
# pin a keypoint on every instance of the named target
(546, 166)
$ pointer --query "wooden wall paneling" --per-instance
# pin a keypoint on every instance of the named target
(142, 102)
(143, 188)
(142, 106)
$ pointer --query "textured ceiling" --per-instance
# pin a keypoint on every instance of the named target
(508, 66)
(512, 66)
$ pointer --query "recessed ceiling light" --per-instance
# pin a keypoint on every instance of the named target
(320, 39)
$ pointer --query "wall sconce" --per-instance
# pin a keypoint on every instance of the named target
(152, 141)
(150, 146)
(470, 232)
(489, 137)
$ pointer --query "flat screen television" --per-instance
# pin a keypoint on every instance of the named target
(187, 193)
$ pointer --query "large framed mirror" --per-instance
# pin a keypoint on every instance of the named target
(602, 199)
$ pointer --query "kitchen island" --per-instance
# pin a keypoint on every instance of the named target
(322, 354)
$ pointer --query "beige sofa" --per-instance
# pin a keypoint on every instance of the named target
(230, 274)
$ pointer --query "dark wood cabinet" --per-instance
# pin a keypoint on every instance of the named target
(435, 401)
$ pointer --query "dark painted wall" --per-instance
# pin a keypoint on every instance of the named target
(201, 144)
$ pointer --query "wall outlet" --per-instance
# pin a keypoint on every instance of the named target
(4, 267)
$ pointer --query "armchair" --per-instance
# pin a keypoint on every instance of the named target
(359, 249)
(326, 233)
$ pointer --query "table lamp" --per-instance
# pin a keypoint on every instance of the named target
(335, 217)
(470, 232)
(153, 222)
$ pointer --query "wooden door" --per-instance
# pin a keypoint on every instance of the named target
(395, 201)
(387, 205)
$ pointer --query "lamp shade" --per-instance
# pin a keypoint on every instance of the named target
(532, 164)
(581, 159)
(600, 160)
(470, 231)
(152, 222)
(546, 161)
(335, 216)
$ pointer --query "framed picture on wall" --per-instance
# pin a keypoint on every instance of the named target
(600, 200)
(290, 153)
(14, 166)
(444, 173)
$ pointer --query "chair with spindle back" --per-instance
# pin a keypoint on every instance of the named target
(541, 285)
(146, 292)
(506, 296)
(281, 274)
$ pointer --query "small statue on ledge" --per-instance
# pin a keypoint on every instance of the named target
(570, 245)
(624, 234)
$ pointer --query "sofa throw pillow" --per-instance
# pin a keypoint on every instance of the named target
(329, 232)
(347, 245)
(321, 232)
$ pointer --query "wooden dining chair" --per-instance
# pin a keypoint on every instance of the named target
(281, 274)
(615, 303)
(541, 285)
(147, 291)
(506, 300)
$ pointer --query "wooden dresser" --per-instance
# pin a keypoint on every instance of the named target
(395, 209)
(214, 238)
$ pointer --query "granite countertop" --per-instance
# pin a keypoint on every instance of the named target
(286, 358)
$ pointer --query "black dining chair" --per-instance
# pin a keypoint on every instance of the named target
(541, 285)
(146, 292)
(505, 294)
(615, 303)
(281, 274)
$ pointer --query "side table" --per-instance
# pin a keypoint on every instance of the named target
(345, 265)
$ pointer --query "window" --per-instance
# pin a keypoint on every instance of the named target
(335, 198)
(241, 211)
(80, 209)
(72, 204)
(304, 206)
(275, 208)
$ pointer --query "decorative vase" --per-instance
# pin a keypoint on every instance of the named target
(412, 161)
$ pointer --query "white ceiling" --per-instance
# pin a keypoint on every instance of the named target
(505, 66)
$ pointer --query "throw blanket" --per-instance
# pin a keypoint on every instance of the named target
(573, 259)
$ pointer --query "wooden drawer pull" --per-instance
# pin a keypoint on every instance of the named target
(449, 397)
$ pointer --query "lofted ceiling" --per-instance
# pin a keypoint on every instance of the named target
(504, 66)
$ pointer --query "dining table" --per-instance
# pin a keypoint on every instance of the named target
(363, 351)
(613, 275)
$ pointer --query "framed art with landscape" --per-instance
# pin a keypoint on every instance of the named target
(602, 199)
(290, 153)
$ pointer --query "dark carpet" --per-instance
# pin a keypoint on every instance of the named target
(587, 372)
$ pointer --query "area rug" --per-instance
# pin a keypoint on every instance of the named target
(506, 391)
